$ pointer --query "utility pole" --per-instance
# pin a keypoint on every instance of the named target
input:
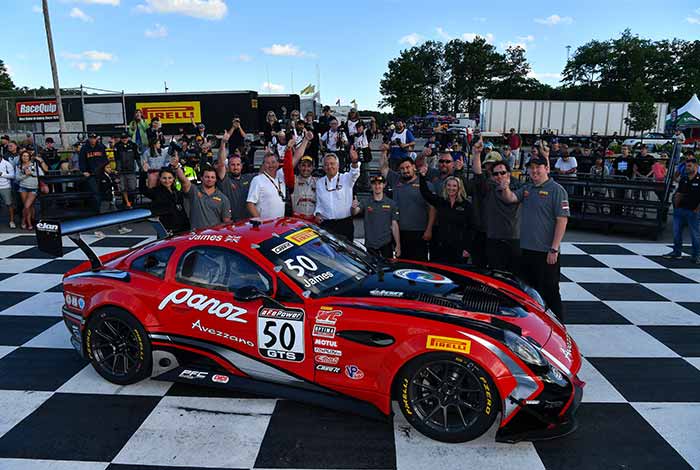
(54, 73)
(568, 51)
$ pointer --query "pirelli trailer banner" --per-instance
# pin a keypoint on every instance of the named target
(172, 112)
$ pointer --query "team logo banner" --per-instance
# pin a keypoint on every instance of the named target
(43, 110)
(172, 112)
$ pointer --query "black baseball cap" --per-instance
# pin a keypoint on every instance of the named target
(49, 140)
(538, 161)
(5, 137)
(92, 135)
(123, 135)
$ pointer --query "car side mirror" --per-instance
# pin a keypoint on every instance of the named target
(247, 293)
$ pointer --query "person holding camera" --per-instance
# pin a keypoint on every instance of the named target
(271, 126)
(236, 138)
(361, 139)
(334, 140)
(402, 142)
(138, 130)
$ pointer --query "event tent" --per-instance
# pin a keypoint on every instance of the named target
(687, 115)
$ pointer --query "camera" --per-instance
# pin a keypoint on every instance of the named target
(397, 141)
(174, 147)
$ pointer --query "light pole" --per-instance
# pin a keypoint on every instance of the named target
(568, 51)
(54, 73)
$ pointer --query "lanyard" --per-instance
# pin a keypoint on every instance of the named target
(277, 186)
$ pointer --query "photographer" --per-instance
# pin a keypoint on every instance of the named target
(237, 135)
(361, 139)
(402, 142)
(335, 140)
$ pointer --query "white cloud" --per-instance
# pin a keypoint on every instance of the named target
(92, 59)
(545, 76)
(37, 9)
(411, 39)
(79, 65)
(554, 19)
(289, 50)
(479, 19)
(244, 58)
(442, 34)
(528, 38)
(471, 36)
(79, 14)
(205, 9)
(95, 66)
(693, 20)
(272, 87)
(158, 31)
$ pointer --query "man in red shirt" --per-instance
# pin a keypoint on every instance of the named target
(514, 141)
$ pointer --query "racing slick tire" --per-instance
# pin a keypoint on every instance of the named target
(447, 397)
(118, 347)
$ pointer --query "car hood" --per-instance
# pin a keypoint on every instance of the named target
(489, 297)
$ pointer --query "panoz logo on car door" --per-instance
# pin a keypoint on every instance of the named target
(201, 302)
(444, 343)
(281, 334)
(171, 112)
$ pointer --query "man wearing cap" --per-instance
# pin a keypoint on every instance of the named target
(334, 140)
(304, 195)
(402, 142)
(545, 211)
(208, 205)
(236, 138)
(334, 195)
(233, 182)
(686, 211)
(50, 154)
(92, 160)
(127, 158)
(381, 220)
(416, 216)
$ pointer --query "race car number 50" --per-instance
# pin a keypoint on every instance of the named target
(281, 334)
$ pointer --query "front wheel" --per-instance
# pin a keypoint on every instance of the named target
(447, 397)
(118, 347)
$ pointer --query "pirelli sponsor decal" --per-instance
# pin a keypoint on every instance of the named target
(445, 343)
(302, 236)
(175, 112)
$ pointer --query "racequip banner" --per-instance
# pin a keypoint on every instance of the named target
(41, 110)
(176, 112)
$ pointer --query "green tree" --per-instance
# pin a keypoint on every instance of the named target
(642, 113)
(6, 83)
(513, 80)
(412, 83)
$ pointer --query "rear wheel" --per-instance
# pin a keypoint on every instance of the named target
(118, 347)
(447, 397)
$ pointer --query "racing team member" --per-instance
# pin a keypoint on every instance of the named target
(304, 195)
(233, 183)
(208, 205)
(334, 194)
(93, 157)
(545, 212)
(381, 220)
(416, 216)
(126, 157)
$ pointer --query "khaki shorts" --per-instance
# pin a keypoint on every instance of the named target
(6, 196)
(127, 183)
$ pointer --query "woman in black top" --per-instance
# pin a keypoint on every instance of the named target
(454, 219)
(167, 202)
(271, 126)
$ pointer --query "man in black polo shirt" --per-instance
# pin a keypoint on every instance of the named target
(92, 160)
(381, 220)
(233, 183)
(686, 211)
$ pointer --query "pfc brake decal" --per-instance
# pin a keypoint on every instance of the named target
(444, 343)
(418, 275)
(301, 236)
(222, 334)
(281, 334)
(354, 372)
(324, 331)
(328, 316)
(201, 302)
(193, 374)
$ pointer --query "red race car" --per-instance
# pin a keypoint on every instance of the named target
(283, 308)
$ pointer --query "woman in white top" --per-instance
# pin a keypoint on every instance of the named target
(29, 169)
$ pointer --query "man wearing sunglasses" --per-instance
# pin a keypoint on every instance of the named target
(686, 211)
(502, 222)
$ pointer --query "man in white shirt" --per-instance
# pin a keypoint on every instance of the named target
(267, 194)
(7, 174)
(334, 195)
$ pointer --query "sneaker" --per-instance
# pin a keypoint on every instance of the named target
(13, 224)
(124, 230)
(100, 235)
(673, 255)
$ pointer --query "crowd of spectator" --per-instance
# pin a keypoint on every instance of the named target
(454, 201)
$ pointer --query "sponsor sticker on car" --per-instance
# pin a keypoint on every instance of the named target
(323, 359)
(193, 374)
(302, 236)
(202, 302)
(385, 293)
(332, 352)
(445, 343)
(221, 334)
(324, 331)
(326, 368)
(325, 342)
(281, 334)
(281, 248)
(418, 275)
(327, 316)
(353, 372)
(220, 379)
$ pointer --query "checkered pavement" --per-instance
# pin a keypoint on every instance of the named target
(635, 316)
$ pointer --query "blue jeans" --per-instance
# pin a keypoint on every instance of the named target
(681, 218)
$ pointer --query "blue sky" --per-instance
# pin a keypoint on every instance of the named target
(198, 45)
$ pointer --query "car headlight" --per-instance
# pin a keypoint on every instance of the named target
(532, 292)
(524, 349)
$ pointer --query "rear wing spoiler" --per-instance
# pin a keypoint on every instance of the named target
(50, 232)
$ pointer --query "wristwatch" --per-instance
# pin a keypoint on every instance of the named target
(553, 250)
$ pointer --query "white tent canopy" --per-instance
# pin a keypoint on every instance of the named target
(692, 107)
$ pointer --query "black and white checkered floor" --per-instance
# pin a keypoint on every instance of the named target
(635, 316)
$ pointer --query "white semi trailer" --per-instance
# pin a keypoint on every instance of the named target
(580, 118)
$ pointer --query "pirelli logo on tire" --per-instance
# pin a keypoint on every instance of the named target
(445, 343)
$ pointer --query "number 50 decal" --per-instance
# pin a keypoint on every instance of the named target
(281, 334)
(303, 264)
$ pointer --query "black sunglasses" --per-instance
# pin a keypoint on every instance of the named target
(692, 160)
(499, 173)
(445, 161)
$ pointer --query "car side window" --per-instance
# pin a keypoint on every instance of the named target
(153, 263)
(220, 269)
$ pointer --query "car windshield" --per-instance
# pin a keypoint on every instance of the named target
(317, 261)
